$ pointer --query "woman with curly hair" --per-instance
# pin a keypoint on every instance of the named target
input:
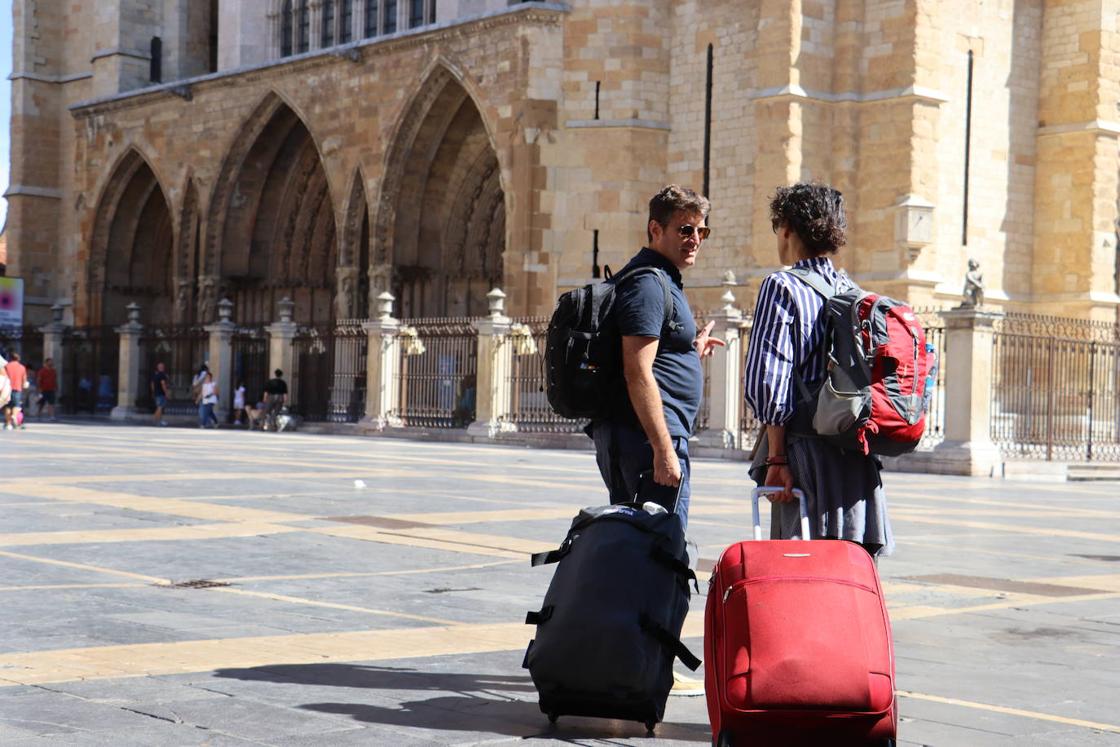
(785, 368)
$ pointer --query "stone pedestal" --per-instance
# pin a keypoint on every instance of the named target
(725, 389)
(128, 365)
(495, 367)
(383, 360)
(281, 352)
(968, 448)
(221, 358)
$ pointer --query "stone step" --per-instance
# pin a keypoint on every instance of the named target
(1084, 472)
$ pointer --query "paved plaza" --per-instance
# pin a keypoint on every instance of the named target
(181, 587)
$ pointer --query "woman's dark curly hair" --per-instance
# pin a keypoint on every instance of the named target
(815, 212)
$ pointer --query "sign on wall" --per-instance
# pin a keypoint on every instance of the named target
(11, 302)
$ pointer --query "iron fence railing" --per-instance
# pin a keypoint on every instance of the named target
(182, 349)
(934, 327)
(249, 353)
(438, 386)
(348, 386)
(1054, 388)
(530, 410)
(26, 340)
(89, 370)
(313, 374)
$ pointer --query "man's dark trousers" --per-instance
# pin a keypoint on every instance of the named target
(624, 453)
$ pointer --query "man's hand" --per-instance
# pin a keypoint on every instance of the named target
(705, 343)
(667, 469)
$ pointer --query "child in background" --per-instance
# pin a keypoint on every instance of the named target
(239, 403)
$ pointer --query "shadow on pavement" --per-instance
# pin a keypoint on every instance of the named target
(495, 703)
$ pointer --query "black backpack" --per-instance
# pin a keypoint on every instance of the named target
(583, 353)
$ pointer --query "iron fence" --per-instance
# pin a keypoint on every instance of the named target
(348, 386)
(934, 327)
(313, 374)
(438, 385)
(249, 348)
(89, 369)
(1054, 388)
(26, 340)
(182, 349)
(530, 410)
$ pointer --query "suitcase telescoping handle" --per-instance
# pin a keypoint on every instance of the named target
(768, 490)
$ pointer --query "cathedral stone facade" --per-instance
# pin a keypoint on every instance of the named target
(173, 153)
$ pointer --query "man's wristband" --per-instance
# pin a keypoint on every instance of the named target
(777, 461)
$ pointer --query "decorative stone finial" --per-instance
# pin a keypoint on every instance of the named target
(497, 303)
(56, 313)
(729, 279)
(225, 310)
(287, 309)
(133, 310)
(385, 305)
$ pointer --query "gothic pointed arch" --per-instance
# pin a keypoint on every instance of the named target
(131, 251)
(352, 294)
(272, 230)
(440, 203)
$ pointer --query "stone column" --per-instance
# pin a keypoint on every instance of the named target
(315, 32)
(128, 367)
(968, 448)
(495, 365)
(221, 358)
(383, 360)
(281, 353)
(52, 345)
(725, 390)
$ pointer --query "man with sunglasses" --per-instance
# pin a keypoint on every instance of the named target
(643, 446)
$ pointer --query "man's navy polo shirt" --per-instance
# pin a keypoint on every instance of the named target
(640, 312)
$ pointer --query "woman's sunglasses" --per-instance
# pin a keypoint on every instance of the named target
(702, 232)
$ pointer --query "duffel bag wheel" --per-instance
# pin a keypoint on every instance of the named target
(724, 739)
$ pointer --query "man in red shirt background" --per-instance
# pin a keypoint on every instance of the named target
(47, 381)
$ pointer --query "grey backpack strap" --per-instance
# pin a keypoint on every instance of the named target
(661, 276)
(815, 281)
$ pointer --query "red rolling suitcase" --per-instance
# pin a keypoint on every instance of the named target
(797, 644)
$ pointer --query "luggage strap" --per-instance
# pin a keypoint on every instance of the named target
(543, 616)
(552, 556)
(663, 556)
(669, 641)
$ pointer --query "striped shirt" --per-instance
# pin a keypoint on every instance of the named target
(786, 338)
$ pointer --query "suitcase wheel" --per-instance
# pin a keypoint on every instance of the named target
(724, 739)
(650, 726)
(553, 717)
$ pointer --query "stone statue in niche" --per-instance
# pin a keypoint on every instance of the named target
(207, 299)
(973, 286)
(183, 301)
(344, 294)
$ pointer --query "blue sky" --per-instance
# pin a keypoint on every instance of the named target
(5, 99)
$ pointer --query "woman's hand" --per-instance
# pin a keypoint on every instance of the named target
(780, 476)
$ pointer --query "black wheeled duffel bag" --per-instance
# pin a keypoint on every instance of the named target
(611, 622)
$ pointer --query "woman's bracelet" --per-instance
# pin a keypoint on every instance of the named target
(777, 461)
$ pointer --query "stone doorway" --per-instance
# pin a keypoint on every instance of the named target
(442, 222)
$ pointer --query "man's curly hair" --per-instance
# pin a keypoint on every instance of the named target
(815, 212)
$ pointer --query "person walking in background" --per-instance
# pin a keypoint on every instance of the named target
(208, 399)
(48, 388)
(239, 403)
(17, 378)
(784, 370)
(276, 395)
(160, 390)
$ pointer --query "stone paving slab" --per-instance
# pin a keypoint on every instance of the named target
(391, 613)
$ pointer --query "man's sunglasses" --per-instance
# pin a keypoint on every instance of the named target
(702, 232)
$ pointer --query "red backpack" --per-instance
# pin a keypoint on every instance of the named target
(873, 398)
